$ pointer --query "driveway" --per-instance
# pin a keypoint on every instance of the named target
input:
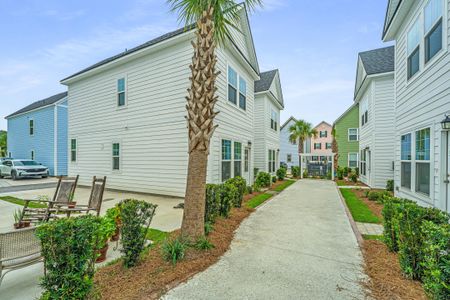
(8, 185)
(299, 245)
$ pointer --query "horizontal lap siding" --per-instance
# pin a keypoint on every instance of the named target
(62, 154)
(260, 141)
(422, 102)
(350, 120)
(366, 132)
(286, 147)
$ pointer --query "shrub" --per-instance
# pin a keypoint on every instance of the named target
(263, 179)
(228, 195)
(68, 246)
(373, 196)
(105, 231)
(203, 244)
(390, 185)
(295, 170)
(241, 186)
(357, 171)
(354, 177)
(249, 189)
(274, 179)
(281, 173)
(392, 206)
(173, 249)
(345, 171)
(436, 275)
(410, 242)
(340, 173)
(135, 215)
(212, 207)
(305, 173)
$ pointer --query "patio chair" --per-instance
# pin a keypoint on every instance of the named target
(65, 189)
(95, 200)
(18, 249)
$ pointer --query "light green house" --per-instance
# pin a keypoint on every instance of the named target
(346, 133)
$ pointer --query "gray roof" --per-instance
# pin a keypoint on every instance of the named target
(132, 50)
(391, 11)
(38, 104)
(379, 60)
(265, 81)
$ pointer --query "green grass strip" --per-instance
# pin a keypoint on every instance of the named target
(18, 201)
(373, 237)
(359, 210)
(284, 185)
(156, 236)
(258, 200)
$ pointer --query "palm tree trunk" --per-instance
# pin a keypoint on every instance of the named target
(200, 107)
(300, 151)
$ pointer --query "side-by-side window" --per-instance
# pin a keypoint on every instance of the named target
(413, 49)
(237, 89)
(433, 28)
(405, 157)
(232, 85)
(232, 159)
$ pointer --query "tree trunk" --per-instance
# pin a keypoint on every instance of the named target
(201, 100)
(300, 151)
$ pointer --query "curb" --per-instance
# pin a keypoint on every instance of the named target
(358, 235)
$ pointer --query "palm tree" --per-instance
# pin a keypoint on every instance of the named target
(299, 132)
(335, 148)
(214, 20)
(3, 139)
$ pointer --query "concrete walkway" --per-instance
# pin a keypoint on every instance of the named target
(299, 245)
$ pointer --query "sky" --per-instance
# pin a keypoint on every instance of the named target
(314, 44)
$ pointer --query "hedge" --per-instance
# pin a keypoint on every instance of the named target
(241, 185)
(220, 198)
(415, 232)
(263, 179)
(295, 170)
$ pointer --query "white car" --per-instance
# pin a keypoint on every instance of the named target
(21, 168)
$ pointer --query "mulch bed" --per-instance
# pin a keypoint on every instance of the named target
(386, 280)
(375, 207)
(350, 183)
(154, 276)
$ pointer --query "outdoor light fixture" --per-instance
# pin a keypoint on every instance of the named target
(446, 123)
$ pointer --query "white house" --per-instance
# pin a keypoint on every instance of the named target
(126, 114)
(420, 30)
(374, 91)
(268, 104)
(288, 150)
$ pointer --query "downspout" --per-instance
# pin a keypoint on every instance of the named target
(55, 141)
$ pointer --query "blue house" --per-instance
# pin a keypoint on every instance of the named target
(39, 132)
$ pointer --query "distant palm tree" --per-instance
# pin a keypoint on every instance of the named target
(3, 141)
(213, 19)
(335, 149)
(299, 133)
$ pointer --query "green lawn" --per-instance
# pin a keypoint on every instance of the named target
(22, 202)
(373, 237)
(284, 185)
(358, 209)
(156, 236)
(258, 200)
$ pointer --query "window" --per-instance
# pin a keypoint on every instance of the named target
(317, 146)
(121, 92)
(32, 155)
(73, 150)
(9, 155)
(274, 120)
(353, 134)
(226, 160)
(363, 162)
(31, 126)
(323, 133)
(232, 85)
(289, 158)
(405, 157)
(116, 156)
(423, 161)
(353, 160)
(413, 49)
(366, 117)
(362, 120)
(271, 161)
(242, 93)
(246, 163)
(315, 158)
(328, 146)
(433, 28)
(237, 159)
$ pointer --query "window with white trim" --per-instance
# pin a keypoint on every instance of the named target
(271, 161)
(73, 150)
(362, 162)
(274, 120)
(353, 134)
(413, 49)
(242, 93)
(289, 158)
(433, 28)
(116, 156)
(226, 160)
(422, 162)
(353, 160)
(246, 159)
(121, 96)
(237, 159)
(232, 85)
(31, 126)
(317, 146)
(405, 161)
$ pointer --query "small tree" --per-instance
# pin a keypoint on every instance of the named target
(299, 132)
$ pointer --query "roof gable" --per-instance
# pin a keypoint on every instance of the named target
(270, 82)
(39, 104)
(288, 121)
(344, 114)
(324, 123)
